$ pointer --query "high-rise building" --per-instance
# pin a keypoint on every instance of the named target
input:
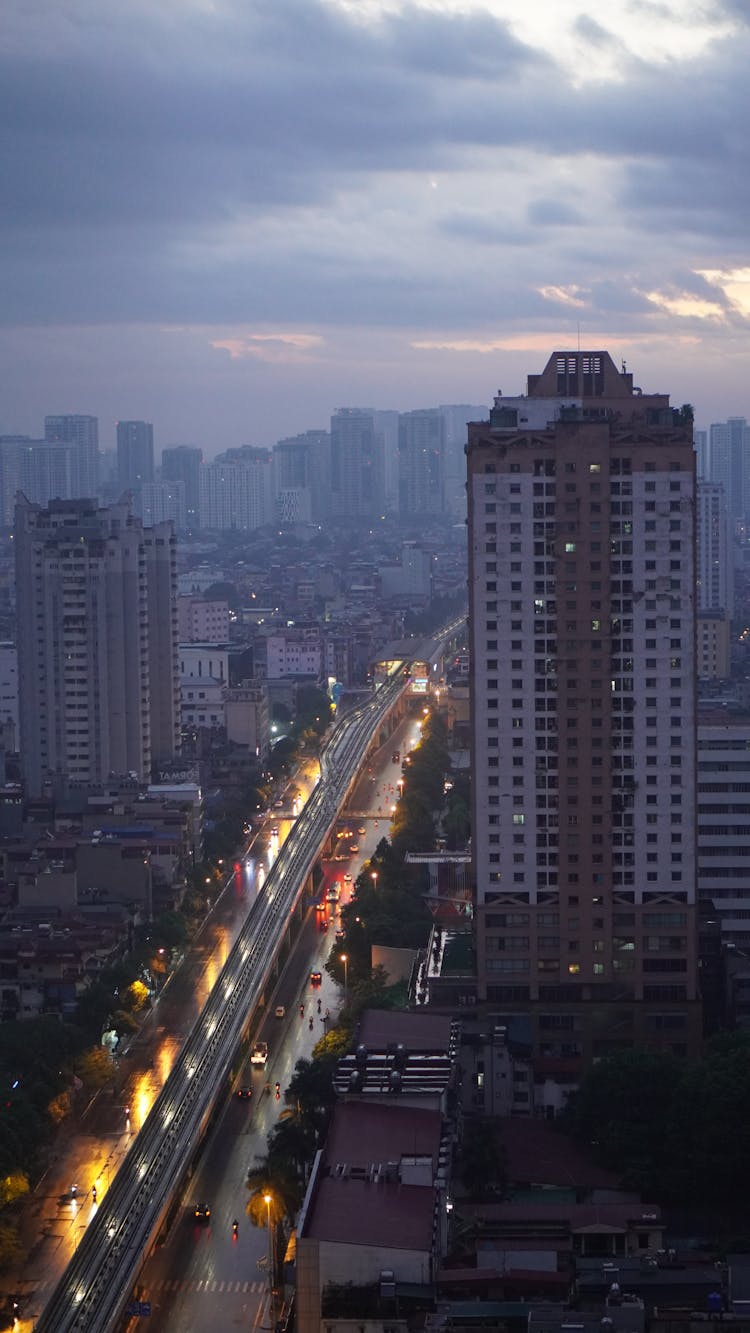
(386, 427)
(183, 462)
(160, 501)
(236, 490)
(357, 464)
(135, 455)
(83, 433)
(97, 643)
(456, 417)
(715, 582)
(302, 476)
(421, 461)
(729, 465)
(715, 570)
(582, 597)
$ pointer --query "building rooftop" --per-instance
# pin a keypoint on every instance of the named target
(356, 1212)
(420, 1033)
(539, 1154)
(362, 1133)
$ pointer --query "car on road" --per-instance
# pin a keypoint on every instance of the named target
(259, 1053)
(348, 879)
(362, 831)
(333, 893)
(316, 978)
(280, 1011)
(396, 756)
(274, 832)
(354, 848)
(202, 1212)
(244, 1093)
(340, 936)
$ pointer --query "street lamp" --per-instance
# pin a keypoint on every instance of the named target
(345, 961)
(374, 878)
(267, 1201)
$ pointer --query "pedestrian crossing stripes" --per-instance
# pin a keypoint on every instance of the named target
(173, 1285)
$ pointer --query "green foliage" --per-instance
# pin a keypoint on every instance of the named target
(13, 1187)
(11, 1249)
(675, 1130)
(483, 1166)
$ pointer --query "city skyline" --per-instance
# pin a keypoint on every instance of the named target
(213, 231)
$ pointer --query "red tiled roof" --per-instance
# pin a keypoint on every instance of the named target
(354, 1212)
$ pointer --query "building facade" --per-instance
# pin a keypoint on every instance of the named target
(421, 462)
(729, 464)
(97, 643)
(357, 464)
(82, 432)
(135, 454)
(724, 820)
(582, 596)
(182, 464)
(236, 491)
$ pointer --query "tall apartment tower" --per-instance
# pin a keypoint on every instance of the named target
(183, 462)
(582, 595)
(236, 490)
(357, 464)
(421, 462)
(135, 454)
(302, 472)
(714, 567)
(729, 465)
(97, 643)
(83, 433)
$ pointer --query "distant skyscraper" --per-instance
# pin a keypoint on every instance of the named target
(183, 462)
(135, 454)
(302, 472)
(729, 465)
(715, 582)
(163, 501)
(421, 459)
(237, 491)
(83, 433)
(386, 427)
(715, 569)
(12, 448)
(357, 464)
(582, 613)
(702, 457)
(456, 417)
(97, 643)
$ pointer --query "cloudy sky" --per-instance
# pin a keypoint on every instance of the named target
(231, 217)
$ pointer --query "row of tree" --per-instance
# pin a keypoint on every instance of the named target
(678, 1131)
(387, 907)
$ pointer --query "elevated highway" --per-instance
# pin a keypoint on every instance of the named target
(95, 1288)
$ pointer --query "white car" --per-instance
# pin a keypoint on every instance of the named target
(259, 1053)
(280, 1011)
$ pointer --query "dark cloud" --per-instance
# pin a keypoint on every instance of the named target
(258, 160)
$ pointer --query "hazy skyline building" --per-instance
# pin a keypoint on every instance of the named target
(183, 462)
(97, 643)
(83, 433)
(729, 465)
(421, 461)
(135, 455)
(236, 491)
(357, 464)
(302, 476)
(582, 612)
